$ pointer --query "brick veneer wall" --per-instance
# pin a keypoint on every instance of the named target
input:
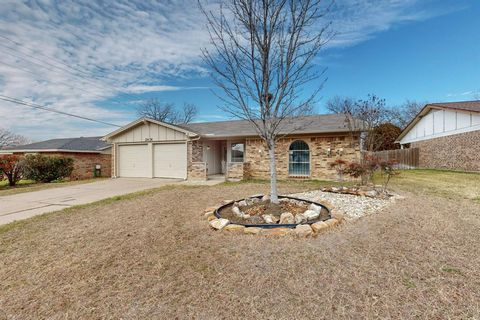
(455, 152)
(259, 164)
(196, 168)
(235, 171)
(84, 163)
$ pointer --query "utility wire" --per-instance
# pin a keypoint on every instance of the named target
(62, 83)
(41, 62)
(37, 106)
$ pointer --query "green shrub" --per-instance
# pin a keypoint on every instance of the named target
(47, 168)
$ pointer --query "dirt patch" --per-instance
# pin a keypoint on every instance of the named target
(153, 257)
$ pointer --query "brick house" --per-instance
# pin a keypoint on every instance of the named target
(447, 136)
(149, 148)
(88, 153)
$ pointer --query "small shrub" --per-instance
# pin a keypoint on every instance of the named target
(363, 169)
(12, 167)
(47, 168)
(387, 170)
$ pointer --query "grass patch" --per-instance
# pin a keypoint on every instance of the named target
(444, 183)
(408, 282)
(451, 270)
(30, 185)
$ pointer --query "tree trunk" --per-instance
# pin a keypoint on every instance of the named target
(273, 172)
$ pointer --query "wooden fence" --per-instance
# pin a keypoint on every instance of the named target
(403, 158)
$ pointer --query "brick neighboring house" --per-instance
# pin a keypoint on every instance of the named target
(149, 148)
(87, 152)
(447, 136)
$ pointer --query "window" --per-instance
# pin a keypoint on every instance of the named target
(237, 152)
(299, 159)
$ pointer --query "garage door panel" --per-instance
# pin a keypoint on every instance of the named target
(170, 160)
(133, 161)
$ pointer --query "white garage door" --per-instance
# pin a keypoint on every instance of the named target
(170, 160)
(133, 161)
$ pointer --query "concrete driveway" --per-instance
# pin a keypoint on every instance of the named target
(25, 205)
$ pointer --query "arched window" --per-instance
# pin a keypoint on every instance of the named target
(299, 159)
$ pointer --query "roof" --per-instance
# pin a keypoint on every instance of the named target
(466, 106)
(82, 144)
(143, 120)
(329, 123)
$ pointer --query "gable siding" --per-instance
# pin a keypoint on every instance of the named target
(441, 123)
(149, 132)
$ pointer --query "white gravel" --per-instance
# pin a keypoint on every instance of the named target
(353, 207)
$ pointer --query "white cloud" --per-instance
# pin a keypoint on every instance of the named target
(129, 46)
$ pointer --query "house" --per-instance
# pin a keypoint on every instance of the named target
(149, 148)
(89, 154)
(447, 136)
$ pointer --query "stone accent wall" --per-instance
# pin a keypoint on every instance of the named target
(84, 163)
(235, 171)
(341, 146)
(196, 168)
(197, 171)
(455, 152)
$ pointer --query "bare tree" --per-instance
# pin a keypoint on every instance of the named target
(261, 56)
(402, 115)
(363, 116)
(167, 112)
(9, 139)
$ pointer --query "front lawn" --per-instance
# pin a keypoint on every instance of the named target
(153, 256)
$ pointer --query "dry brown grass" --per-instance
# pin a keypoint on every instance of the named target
(153, 256)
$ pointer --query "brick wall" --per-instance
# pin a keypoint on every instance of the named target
(340, 147)
(84, 163)
(196, 168)
(455, 152)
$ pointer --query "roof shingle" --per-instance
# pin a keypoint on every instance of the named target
(93, 144)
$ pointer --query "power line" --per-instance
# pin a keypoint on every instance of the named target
(37, 106)
(41, 62)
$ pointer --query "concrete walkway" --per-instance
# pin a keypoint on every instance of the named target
(25, 205)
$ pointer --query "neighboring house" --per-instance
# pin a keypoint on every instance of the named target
(447, 135)
(88, 153)
(149, 148)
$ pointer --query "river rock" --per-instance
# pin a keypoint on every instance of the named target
(219, 224)
(300, 218)
(236, 211)
(311, 215)
(234, 228)
(252, 230)
(320, 226)
(332, 222)
(287, 218)
(315, 208)
(303, 231)
(270, 219)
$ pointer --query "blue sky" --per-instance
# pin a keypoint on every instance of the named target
(101, 59)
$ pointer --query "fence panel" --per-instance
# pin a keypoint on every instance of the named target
(403, 158)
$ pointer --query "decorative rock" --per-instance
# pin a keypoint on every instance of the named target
(236, 211)
(277, 232)
(255, 200)
(210, 209)
(371, 193)
(210, 218)
(319, 226)
(266, 198)
(219, 224)
(315, 208)
(311, 215)
(234, 228)
(252, 230)
(268, 218)
(303, 231)
(227, 201)
(242, 203)
(332, 222)
(300, 218)
(287, 218)
(338, 215)
(209, 214)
